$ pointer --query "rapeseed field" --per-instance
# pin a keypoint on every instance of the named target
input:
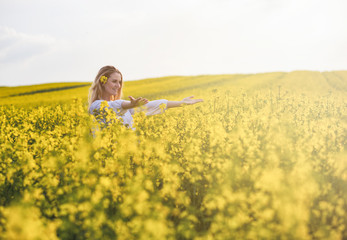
(263, 157)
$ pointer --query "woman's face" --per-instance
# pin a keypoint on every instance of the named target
(113, 84)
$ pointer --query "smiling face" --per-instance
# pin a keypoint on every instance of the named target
(113, 86)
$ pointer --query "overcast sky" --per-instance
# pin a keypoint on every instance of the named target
(45, 41)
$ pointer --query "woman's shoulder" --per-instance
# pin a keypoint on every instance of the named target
(113, 104)
(95, 104)
(98, 102)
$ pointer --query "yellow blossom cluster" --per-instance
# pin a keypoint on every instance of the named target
(252, 161)
(103, 79)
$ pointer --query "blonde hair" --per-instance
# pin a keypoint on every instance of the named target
(95, 91)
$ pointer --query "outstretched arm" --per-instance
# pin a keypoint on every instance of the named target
(134, 102)
(170, 104)
(185, 101)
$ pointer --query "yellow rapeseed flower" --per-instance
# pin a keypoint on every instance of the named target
(103, 79)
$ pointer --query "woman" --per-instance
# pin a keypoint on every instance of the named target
(108, 85)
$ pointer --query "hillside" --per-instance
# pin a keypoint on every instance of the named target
(303, 82)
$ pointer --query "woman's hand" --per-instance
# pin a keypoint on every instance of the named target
(134, 102)
(138, 101)
(189, 100)
(185, 101)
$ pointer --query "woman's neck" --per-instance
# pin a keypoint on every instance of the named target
(106, 97)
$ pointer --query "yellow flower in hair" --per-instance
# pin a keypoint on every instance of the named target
(103, 79)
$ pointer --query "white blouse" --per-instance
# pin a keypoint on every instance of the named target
(151, 108)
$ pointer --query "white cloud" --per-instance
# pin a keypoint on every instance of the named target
(16, 47)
